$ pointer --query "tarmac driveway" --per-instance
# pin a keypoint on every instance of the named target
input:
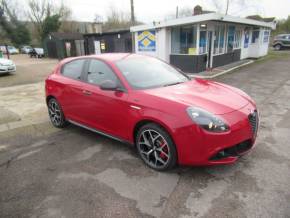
(46, 172)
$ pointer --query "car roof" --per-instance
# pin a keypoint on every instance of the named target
(108, 57)
(112, 56)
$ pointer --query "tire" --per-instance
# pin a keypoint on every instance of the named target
(155, 147)
(278, 47)
(55, 113)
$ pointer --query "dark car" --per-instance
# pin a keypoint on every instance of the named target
(37, 53)
(281, 41)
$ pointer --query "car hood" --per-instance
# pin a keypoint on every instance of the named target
(5, 61)
(211, 96)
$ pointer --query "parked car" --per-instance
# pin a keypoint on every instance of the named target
(281, 41)
(12, 50)
(3, 49)
(25, 49)
(37, 53)
(144, 101)
(6, 66)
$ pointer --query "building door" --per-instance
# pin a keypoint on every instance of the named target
(97, 47)
(80, 49)
(209, 49)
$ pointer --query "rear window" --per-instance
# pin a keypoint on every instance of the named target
(73, 69)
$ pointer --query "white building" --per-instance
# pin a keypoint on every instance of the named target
(204, 41)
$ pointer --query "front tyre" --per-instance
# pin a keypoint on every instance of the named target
(278, 47)
(156, 147)
(56, 114)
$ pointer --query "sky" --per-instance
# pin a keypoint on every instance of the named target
(155, 10)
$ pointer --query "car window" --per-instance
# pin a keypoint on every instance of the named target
(99, 72)
(73, 69)
(149, 72)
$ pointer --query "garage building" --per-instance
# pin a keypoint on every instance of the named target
(63, 45)
(118, 40)
(204, 40)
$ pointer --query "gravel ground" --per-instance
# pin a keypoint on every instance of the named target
(28, 70)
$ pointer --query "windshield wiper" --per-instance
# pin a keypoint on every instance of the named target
(172, 84)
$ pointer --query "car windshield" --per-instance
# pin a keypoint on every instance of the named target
(148, 72)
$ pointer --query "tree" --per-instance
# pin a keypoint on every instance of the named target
(50, 24)
(47, 17)
(283, 26)
(15, 30)
(117, 19)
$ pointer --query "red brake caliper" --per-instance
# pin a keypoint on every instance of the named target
(164, 149)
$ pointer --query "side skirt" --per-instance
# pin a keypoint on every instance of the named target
(100, 132)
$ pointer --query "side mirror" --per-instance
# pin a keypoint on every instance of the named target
(109, 85)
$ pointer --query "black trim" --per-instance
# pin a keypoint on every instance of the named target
(100, 132)
(227, 58)
(189, 63)
(233, 151)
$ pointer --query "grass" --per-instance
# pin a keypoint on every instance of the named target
(274, 55)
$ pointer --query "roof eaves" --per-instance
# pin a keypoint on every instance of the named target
(176, 22)
(201, 18)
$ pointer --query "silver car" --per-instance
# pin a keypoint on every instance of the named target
(7, 66)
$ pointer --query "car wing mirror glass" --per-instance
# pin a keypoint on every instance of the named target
(109, 85)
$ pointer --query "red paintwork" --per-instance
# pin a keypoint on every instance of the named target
(111, 111)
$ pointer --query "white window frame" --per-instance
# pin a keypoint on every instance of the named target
(269, 33)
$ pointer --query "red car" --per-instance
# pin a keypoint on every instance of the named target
(146, 102)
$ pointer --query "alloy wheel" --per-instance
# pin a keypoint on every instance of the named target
(55, 113)
(154, 148)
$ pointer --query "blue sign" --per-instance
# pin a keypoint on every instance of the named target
(247, 38)
(146, 40)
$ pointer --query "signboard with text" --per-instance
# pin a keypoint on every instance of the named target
(146, 40)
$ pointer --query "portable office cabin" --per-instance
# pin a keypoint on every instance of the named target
(111, 41)
(203, 41)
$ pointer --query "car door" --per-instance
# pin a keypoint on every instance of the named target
(105, 110)
(71, 88)
(287, 41)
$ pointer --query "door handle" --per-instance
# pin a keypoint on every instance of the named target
(86, 92)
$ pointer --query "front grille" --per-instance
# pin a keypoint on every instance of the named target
(254, 121)
(234, 151)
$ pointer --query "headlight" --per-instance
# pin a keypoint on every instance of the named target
(207, 120)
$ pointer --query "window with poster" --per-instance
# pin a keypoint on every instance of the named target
(231, 38)
(183, 40)
(246, 37)
(255, 35)
(203, 39)
(219, 40)
(266, 36)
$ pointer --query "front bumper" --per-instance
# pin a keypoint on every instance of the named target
(199, 147)
(7, 68)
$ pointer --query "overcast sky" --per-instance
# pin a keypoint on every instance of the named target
(154, 10)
